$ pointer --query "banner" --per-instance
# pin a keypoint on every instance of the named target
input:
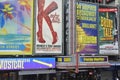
(86, 28)
(26, 63)
(16, 27)
(49, 23)
(108, 30)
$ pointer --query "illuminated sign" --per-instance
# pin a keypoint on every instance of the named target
(108, 9)
(107, 1)
(64, 59)
(93, 59)
(26, 63)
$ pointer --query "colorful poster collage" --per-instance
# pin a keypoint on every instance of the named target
(108, 30)
(16, 27)
(86, 28)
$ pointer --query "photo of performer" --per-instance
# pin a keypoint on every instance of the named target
(44, 13)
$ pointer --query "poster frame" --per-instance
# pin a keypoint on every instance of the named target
(62, 33)
(97, 22)
(115, 7)
(8, 51)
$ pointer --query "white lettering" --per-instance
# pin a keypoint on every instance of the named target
(13, 63)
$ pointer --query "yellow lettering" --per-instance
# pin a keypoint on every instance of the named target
(67, 59)
(59, 59)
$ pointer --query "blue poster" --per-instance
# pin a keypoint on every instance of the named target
(86, 28)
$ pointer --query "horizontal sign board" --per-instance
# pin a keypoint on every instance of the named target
(26, 63)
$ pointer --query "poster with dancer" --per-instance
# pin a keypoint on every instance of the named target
(49, 23)
(108, 30)
(16, 27)
(86, 28)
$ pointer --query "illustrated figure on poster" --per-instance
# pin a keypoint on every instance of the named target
(44, 13)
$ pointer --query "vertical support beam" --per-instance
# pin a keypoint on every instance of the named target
(58, 75)
(20, 77)
(118, 27)
(116, 2)
(104, 2)
(72, 26)
(37, 77)
(47, 76)
(77, 66)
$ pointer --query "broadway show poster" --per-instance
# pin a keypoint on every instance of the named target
(86, 28)
(16, 27)
(108, 30)
(49, 27)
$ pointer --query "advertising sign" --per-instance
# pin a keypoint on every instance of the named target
(64, 59)
(106, 1)
(16, 27)
(26, 63)
(108, 30)
(93, 61)
(86, 28)
(49, 23)
(65, 62)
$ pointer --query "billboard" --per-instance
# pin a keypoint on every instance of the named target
(86, 28)
(16, 27)
(26, 63)
(108, 30)
(49, 27)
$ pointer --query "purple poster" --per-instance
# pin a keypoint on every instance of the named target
(26, 63)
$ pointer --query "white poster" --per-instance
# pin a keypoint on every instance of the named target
(49, 26)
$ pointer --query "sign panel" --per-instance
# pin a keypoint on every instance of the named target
(49, 23)
(66, 62)
(94, 59)
(26, 63)
(86, 28)
(108, 30)
(16, 27)
(64, 59)
(106, 1)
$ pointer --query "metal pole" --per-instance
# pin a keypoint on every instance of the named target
(77, 66)
(20, 77)
(104, 2)
(37, 77)
(47, 76)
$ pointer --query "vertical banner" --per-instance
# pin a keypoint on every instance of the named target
(108, 30)
(49, 23)
(16, 27)
(86, 28)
